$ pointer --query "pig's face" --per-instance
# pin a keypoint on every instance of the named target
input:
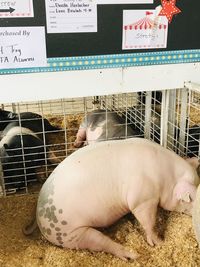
(185, 207)
(185, 194)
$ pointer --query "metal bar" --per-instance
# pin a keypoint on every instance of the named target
(147, 124)
(183, 120)
(171, 118)
(164, 118)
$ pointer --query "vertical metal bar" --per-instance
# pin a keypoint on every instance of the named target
(85, 116)
(171, 119)
(22, 146)
(183, 120)
(147, 125)
(44, 139)
(14, 107)
(164, 118)
(126, 121)
(64, 124)
(106, 117)
(113, 104)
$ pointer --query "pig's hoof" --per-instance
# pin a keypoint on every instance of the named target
(126, 255)
(154, 240)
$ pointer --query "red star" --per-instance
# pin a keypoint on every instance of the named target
(169, 9)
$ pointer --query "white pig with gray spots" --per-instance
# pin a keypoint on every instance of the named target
(100, 183)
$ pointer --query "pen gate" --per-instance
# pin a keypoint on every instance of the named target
(168, 117)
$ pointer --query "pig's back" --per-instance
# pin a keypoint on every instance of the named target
(99, 163)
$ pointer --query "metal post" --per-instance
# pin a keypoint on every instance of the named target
(171, 119)
(183, 120)
(147, 125)
(164, 118)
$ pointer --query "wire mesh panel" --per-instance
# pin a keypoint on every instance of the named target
(184, 124)
(37, 136)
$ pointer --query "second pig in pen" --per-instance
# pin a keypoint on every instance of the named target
(100, 125)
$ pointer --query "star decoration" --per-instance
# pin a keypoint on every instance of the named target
(169, 9)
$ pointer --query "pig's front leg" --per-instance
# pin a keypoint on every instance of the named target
(80, 137)
(145, 213)
(94, 240)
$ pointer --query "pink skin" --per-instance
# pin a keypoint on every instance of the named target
(100, 183)
(80, 137)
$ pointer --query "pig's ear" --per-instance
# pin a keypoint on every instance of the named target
(193, 161)
(185, 196)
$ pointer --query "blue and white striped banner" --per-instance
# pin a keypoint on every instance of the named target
(112, 61)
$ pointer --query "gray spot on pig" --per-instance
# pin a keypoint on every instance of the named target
(46, 193)
(50, 217)
(52, 225)
(64, 234)
(48, 231)
(64, 222)
(47, 211)
(41, 212)
(57, 229)
(58, 234)
(55, 220)
(60, 211)
(53, 208)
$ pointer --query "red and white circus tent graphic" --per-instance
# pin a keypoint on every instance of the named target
(145, 33)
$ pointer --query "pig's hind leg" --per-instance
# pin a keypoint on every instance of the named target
(94, 240)
(145, 213)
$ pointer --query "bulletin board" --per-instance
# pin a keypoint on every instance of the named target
(120, 33)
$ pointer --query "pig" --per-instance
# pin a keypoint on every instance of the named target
(20, 149)
(100, 183)
(30, 120)
(101, 125)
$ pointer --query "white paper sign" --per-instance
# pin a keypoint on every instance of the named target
(16, 8)
(22, 47)
(144, 29)
(124, 2)
(71, 16)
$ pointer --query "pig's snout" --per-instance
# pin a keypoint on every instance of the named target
(187, 209)
(80, 137)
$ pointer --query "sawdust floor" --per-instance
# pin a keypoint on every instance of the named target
(179, 247)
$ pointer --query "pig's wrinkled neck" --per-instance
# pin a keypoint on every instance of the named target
(167, 200)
